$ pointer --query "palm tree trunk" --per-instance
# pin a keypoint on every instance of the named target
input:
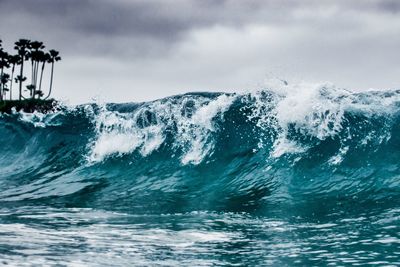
(41, 76)
(36, 78)
(51, 80)
(33, 71)
(37, 72)
(1, 85)
(11, 82)
(21, 76)
(33, 80)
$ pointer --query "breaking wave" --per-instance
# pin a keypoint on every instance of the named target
(290, 145)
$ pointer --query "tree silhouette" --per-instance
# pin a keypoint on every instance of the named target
(4, 81)
(13, 60)
(36, 55)
(45, 58)
(54, 56)
(3, 64)
(21, 46)
(31, 89)
(32, 51)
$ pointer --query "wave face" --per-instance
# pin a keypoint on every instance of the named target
(280, 161)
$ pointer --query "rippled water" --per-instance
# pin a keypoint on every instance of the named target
(75, 236)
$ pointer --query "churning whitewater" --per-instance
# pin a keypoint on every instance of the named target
(304, 174)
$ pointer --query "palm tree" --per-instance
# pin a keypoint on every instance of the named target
(13, 60)
(53, 58)
(45, 58)
(21, 46)
(3, 81)
(3, 64)
(36, 55)
(31, 89)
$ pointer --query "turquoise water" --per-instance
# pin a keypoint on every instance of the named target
(300, 176)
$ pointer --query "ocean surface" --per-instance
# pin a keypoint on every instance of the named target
(297, 175)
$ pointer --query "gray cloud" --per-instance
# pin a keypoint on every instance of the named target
(92, 24)
(159, 21)
(160, 47)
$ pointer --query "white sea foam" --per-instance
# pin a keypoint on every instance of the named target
(144, 129)
(199, 128)
(118, 134)
(312, 109)
(316, 110)
(38, 119)
(338, 158)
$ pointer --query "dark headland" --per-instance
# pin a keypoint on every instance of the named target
(29, 105)
(17, 92)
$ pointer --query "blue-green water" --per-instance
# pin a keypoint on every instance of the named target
(290, 177)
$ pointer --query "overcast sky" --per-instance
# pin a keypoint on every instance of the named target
(135, 50)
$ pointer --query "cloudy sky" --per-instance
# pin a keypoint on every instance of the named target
(136, 50)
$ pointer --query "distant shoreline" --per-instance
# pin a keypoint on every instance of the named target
(28, 105)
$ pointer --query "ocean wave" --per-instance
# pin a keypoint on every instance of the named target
(207, 150)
